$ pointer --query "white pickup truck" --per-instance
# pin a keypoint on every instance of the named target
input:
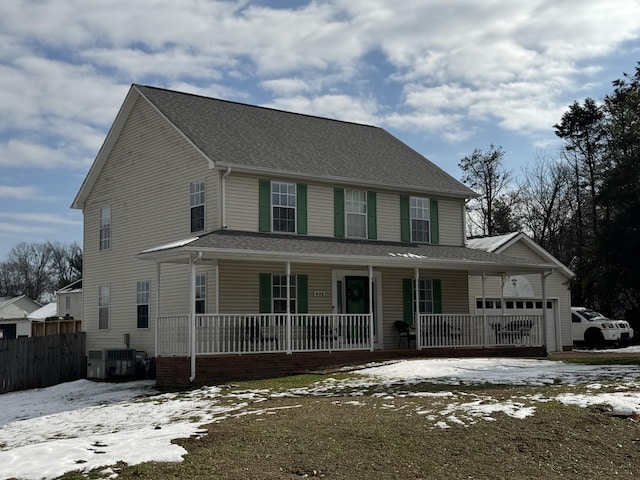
(594, 330)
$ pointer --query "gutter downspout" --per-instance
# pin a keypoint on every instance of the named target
(416, 311)
(224, 195)
(192, 315)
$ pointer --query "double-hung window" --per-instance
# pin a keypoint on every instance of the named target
(356, 213)
(425, 296)
(142, 302)
(283, 205)
(279, 293)
(104, 305)
(420, 218)
(196, 203)
(201, 293)
(105, 228)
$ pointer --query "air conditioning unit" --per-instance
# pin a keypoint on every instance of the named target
(109, 363)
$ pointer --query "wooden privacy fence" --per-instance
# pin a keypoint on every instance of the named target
(38, 362)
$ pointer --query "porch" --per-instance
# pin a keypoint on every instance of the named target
(245, 334)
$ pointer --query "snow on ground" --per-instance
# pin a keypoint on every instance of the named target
(84, 425)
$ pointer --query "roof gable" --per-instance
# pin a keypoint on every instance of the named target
(264, 140)
(502, 244)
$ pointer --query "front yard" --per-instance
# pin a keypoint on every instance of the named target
(448, 418)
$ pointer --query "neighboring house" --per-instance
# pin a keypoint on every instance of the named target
(522, 294)
(219, 235)
(69, 300)
(14, 312)
(44, 312)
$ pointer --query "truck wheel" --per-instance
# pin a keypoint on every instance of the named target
(594, 338)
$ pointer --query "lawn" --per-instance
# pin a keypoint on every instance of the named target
(344, 426)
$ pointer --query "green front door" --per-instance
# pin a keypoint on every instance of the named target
(357, 294)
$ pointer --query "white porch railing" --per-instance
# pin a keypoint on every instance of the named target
(261, 333)
(480, 331)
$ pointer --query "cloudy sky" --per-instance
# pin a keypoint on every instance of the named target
(445, 76)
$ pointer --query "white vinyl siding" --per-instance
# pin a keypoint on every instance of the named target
(164, 202)
(451, 222)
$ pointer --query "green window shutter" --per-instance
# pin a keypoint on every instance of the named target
(265, 293)
(301, 205)
(435, 228)
(372, 225)
(437, 296)
(407, 300)
(264, 199)
(405, 219)
(338, 212)
(303, 296)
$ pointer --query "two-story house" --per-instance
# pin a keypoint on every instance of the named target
(227, 239)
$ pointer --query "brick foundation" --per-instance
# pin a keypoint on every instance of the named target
(174, 372)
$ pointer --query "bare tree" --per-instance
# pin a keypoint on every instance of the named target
(37, 270)
(485, 173)
(545, 202)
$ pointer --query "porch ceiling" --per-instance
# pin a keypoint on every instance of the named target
(251, 246)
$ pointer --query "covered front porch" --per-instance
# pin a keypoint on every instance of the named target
(224, 334)
(314, 302)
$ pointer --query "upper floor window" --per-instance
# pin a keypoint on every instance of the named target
(196, 202)
(105, 228)
(356, 213)
(419, 220)
(104, 306)
(67, 303)
(420, 217)
(283, 201)
(142, 302)
(282, 207)
(201, 293)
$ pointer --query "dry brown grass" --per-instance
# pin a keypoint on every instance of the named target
(371, 437)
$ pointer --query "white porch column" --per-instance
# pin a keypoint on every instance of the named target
(158, 265)
(289, 351)
(543, 282)
(192, 317)
(371, 336)
(217, 289)
(416, 295)
(484, 311)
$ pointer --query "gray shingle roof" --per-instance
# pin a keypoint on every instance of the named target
(326, 249)
(265, 139)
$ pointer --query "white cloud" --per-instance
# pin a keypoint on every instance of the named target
(342, 107)
(20, 193)
(41, 218)
(19, 153)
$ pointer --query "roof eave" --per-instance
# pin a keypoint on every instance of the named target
(330, 179)
(185, 254)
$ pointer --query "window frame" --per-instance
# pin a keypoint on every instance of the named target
(104, 307)
(200, 293)
(425, 208)
(292, 192)
(197, 201)
(105, 228)
(143, 297)
(425, 285)
(350, 215)
(281, 287)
